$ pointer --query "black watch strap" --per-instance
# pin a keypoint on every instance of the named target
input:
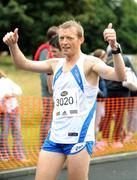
(119, 50)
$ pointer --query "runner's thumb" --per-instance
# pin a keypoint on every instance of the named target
(16, 32)
(109, 25)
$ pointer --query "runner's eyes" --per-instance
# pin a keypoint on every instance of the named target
(67, 38)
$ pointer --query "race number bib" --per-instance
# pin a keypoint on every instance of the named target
(67, 103)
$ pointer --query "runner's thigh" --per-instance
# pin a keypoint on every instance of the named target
(49, 165)
(78, 165)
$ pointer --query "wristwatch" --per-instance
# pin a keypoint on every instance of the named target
(118, 50)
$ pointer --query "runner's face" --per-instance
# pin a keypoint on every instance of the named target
(69, 41)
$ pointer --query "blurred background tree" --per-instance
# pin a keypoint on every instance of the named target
(33, 18)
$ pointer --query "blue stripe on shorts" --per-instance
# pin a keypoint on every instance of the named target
(67, 149)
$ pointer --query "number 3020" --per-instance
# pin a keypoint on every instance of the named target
(64, 101)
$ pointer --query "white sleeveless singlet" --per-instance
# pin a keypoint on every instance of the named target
(74, 105)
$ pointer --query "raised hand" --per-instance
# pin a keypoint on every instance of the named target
(11, 38)
(110, 36)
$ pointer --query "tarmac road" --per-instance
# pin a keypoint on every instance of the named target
(108, 169)
(118, 170)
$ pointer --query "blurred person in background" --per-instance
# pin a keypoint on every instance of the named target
(44, 52)
(102, 93)
(45, 123)
(10, 120)
(131, 125)
(116, 106)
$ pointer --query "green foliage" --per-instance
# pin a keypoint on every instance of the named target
(128, 26)
(33, 18)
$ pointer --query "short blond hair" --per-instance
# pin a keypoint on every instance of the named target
(73, 23)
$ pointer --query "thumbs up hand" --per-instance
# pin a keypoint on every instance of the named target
(110, 36)
(11, 38)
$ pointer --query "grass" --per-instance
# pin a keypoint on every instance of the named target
(29, 81)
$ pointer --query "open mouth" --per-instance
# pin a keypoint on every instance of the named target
(65, 48)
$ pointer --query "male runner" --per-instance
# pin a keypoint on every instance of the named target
(75, 87)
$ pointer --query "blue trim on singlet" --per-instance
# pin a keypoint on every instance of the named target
(57, 75)
(86, 124)
(76, 73)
